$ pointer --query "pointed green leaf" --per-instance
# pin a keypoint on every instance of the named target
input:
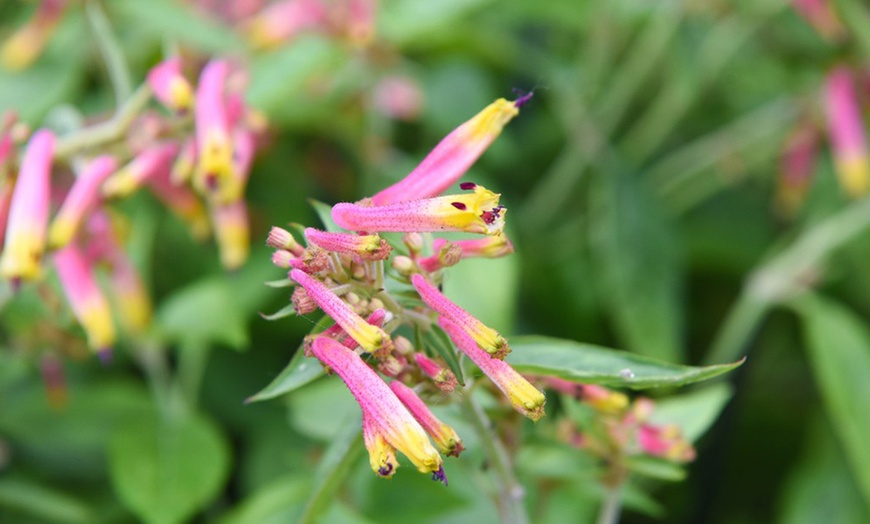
(300, 371)
(838, 343)
(693, 412)
(287, 311)
(204, 312)
(591, 364)
(167, 470)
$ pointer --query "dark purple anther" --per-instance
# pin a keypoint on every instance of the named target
(385, 471)
(459, 205)
(467, 186)
(523, 99)
(105, 356)
(440, 475)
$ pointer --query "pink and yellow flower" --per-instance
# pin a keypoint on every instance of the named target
(443, 378)
(151, 162)
(523, 396)
(80, 201)
(371, 338)
(848, 137)
(368, 247)
(27, 227)
(485, 337)
(170, 86)
(475, 212)
(232, 233)
(282, 21)
(87, 301)
(214, 172)
(387, 425)
(452, 157)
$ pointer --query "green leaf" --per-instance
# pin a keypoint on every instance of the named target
(320, 410)
(637, 259)
(167, 470)
(27, 497)
(656, 467)
(204, 312)
(300, 371)
(415, 21)
(346, 448)
(591, 364)
(839, 348)
(278, 502)
(693, 412)
(324, 213)
(287, 311)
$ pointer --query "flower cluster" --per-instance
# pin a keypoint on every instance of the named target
(620, 428)
(199, 176)
(375, 292)
(844, 99)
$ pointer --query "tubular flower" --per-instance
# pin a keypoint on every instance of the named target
(27, 226)
(524, 397)
(371, 338)
(214, 172)
(170, 86)
(604, 399)
(387, 418)
(280, 238)
(477, 212)
(184, 164)
(382, 455)
(283, 20)
(452, 157)
(848, 138)
(443, 378)
(85, 298)
(444, 436)
(368, 247)
(494, 246)
(148, 164)
(665, 441)
(26, 44)
(797, 164)
(82, 197)
(485, 337)
(446, 254)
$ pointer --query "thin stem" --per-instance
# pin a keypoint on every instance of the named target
(113, 56)
(612, 506)
(108, 131)
(192, 361)
(509, 494)
(152, 359)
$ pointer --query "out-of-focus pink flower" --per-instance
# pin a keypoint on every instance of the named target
(281, 21)
(523, 396)
(846, 128)
(486, 338)
(214, 174)
(232, 233)
(476, 212)
(154, 161)
(7, 176)
(27, 226)
(452, 157)
(797, 165)
(665, 441)
(360, 21)
(170, 86)
(398, 97)
(604, 399)
(87, 301)
(821, 15)
(386, 422)
(80, 201)
(182, 201)
(26, 45)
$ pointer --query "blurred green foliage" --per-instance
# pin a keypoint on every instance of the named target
(640, 183)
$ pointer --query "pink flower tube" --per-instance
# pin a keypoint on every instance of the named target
(848, 138)
(81, 200)
(27, 227)
(152, 162)
(170, 86)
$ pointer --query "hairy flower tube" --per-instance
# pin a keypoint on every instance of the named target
(475, 212)
(27, 226)
(452, 157)
(367, 247)
(170, 86)
(83, 196)
(484, 337)
(87, 301)
(444, 436)
(388, 421)
(848, 137)
(371, 338)
(523, 396)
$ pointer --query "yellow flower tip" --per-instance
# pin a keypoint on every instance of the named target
(96, 319)
(526, 398)
(414, 443)
(382, 456)
(21, 50)
(136, 312)
(448, 441)
(854, 175)
(490, 341)
(60, 233)
(234, 244)
(605, 400)
(477, 212)
(121, 184)
(181, 94)
(492, 119)
(21, 259)
(214, 171)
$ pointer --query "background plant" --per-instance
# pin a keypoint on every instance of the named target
(641, 185)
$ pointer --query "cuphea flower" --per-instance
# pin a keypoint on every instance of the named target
(848, 138)
(170, 86)
(387, 423)
(80, 201)
(368, 247)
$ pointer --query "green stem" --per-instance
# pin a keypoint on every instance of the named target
(192, 361)
(780, 277)
(108, 131)
(152, 359)
(612, 506)
(113, 56)
(509, 494)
